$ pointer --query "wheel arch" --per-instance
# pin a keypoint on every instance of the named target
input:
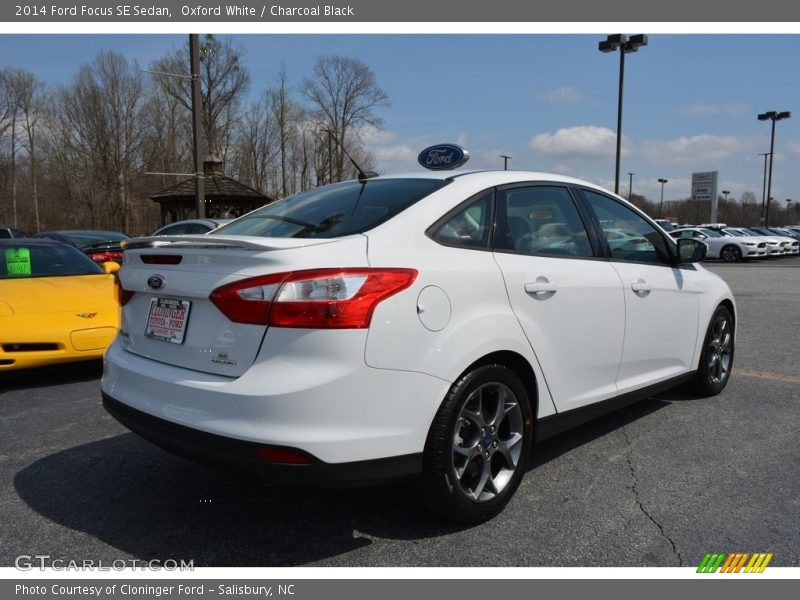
(517, 363)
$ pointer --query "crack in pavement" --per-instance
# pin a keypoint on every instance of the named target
(639, 500)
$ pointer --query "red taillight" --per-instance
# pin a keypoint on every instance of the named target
(318, 299)
(101, 257)
(282, 456)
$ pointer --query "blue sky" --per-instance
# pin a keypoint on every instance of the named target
(549, 101)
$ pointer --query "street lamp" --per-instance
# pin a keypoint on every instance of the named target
(630, 185)
(505, 158)
(724, 206)
(620, 42)
(788, 203)
(764, 186)
(661, 206)
(771, 116)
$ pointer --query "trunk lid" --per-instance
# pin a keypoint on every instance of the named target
(172, 278)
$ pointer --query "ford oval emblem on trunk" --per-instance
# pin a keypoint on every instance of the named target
(443, 157)
(156, 282)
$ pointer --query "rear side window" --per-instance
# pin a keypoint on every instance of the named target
(540, 220)
(468, 227)
(333, 210)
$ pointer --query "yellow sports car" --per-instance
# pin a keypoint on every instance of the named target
(56, 305)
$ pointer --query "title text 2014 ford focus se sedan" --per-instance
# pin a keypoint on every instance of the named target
(432, 325)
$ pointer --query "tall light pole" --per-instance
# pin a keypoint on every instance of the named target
(764, 186)
(661, 205)
(771, 116)
(788, 204)
(197, 126)
(630, 185)
(620, 42)
(505, 158)
(725, 206)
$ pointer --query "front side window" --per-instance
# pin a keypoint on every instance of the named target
(642, 242)
(540, 220)
(333, 210)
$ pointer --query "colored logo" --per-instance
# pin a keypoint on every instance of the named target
(443, 157)
(734, 562)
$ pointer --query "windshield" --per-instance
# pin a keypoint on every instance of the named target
(22, 261)
(710, 233)
(333, 210)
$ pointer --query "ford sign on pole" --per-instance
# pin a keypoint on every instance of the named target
(443, 157)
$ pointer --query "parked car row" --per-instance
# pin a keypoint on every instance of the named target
(734, 244)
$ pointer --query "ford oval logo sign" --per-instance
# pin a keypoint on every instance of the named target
(443, 157)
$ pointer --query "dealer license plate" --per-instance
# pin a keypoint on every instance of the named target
(167, 319)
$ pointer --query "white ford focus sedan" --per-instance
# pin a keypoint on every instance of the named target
(432, 325)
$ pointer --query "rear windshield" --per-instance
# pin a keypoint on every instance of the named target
(333, 210)
(29, 260)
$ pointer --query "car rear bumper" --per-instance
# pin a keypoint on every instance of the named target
(330, 406)
(243, 456)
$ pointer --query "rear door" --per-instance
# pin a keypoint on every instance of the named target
(569, 301)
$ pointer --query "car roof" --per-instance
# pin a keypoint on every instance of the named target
(493, 177)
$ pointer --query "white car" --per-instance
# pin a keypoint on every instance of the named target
(773, 246)
(432, 326)
(724, 247)
(191, 226)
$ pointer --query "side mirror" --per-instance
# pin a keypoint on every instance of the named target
(110, 267)
(691, 251)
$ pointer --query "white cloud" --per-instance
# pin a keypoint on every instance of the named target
(587, 142)
(731, 108)
(372, 136)
(566, 94)
(562, 169)
(395, 154)
(701, 109)
(737, 108)
(696, 150)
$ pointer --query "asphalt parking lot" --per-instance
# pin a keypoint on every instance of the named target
(657, 484)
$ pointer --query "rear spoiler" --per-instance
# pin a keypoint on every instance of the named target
(220, 242)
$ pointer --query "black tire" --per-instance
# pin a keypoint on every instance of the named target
(716, 358)
(475, 439)
(730, 253)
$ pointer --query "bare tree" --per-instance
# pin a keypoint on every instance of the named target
(345, 94)
(223, 83)
(257, 146)
(31, 101)
(9, 79)
(102, 118)
(286, 114)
